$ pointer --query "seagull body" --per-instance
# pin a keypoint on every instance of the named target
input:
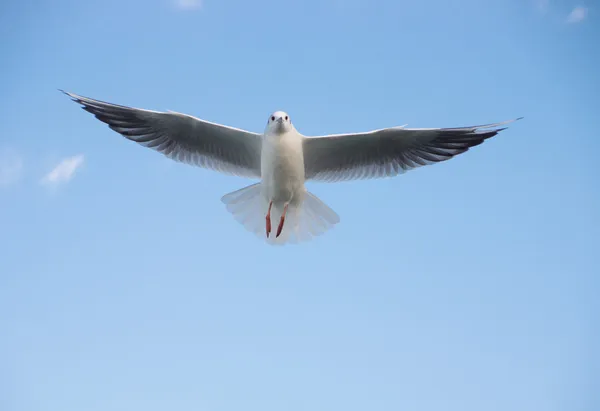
(282, 168)
(279, 208)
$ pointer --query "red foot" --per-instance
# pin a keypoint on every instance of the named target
(281, 221)
(269, 219)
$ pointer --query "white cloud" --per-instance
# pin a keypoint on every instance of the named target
(577, 15)
(64, 171)
(189, 4)
(11, 167)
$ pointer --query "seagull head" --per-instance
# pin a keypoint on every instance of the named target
(279, 123)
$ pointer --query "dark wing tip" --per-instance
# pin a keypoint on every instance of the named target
(67, 93)
(74, 97)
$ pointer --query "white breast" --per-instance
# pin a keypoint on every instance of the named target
(282, 167)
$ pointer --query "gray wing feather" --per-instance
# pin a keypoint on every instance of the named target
(388, 152)
(182, 137)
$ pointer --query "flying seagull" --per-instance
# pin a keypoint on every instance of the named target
(282, 160)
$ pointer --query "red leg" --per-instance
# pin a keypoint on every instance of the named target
(281, 221)
(269, 219)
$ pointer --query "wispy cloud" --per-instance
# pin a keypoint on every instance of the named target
(188, 4)
(11, 167)
(64, 171)
(577, 15)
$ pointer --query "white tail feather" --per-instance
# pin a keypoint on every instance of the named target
(303, 222)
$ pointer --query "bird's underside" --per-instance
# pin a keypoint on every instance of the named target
(375, 154)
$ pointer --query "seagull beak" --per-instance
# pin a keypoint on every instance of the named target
(280, 120)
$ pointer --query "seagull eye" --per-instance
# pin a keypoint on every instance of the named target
(272, 118)
(286, 118)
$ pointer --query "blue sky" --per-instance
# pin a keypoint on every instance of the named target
(467, 285)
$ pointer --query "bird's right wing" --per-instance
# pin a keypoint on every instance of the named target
(181, 137)
(388, 152)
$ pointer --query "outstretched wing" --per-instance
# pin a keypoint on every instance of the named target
(181, 137)
(388, 152)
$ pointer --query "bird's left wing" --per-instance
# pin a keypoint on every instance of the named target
(388, 152)
(181, 137)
